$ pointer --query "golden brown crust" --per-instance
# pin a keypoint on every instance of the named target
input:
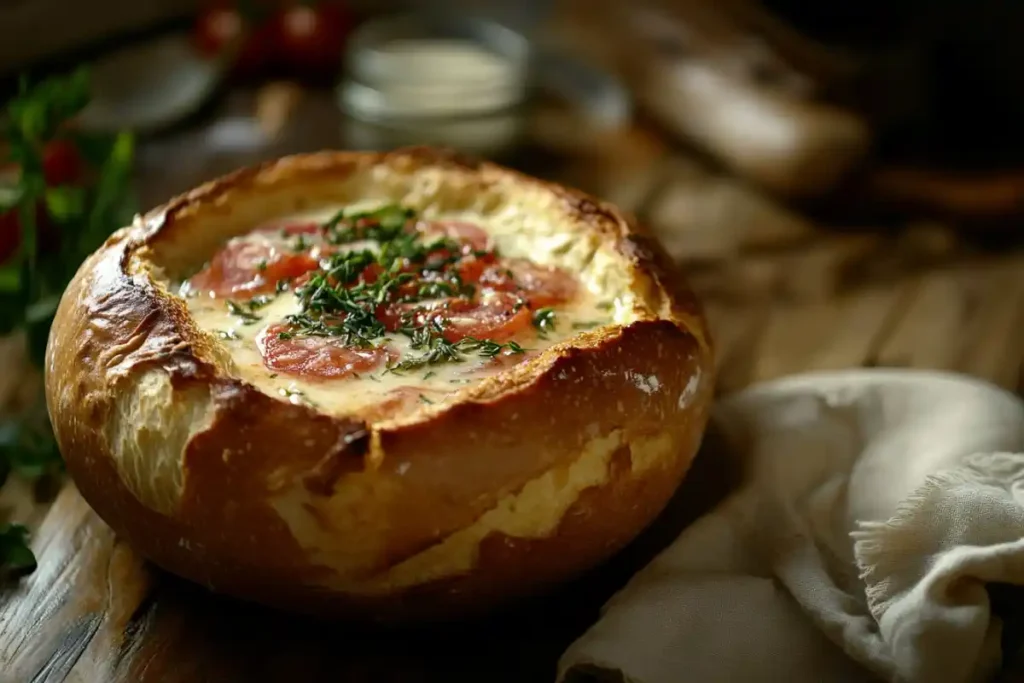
(533, 476)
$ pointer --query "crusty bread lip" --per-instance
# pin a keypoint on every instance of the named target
(534, 475)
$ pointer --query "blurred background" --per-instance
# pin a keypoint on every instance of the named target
(802, 155)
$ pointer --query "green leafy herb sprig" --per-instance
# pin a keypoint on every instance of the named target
(51, 219)
(336, 302)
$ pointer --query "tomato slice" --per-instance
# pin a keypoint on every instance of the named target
(317, 357)
(498, 317)
(250, 267)
(541, 285)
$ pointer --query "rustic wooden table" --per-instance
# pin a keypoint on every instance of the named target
(799, 299)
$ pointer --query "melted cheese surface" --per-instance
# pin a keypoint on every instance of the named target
(388, 393)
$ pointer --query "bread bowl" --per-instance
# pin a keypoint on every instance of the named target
(245, 459)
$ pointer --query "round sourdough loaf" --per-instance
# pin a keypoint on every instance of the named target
(522, 480)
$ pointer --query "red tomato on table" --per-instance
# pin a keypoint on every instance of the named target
(310, 36)
(222, 28)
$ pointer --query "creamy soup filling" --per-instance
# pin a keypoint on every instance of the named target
(380, 311)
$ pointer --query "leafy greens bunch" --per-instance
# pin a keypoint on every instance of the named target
(62, 192)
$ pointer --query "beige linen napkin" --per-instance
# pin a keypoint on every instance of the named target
(875, 509)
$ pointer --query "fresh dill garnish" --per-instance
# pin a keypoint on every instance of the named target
(440, 350)
(429, 374)
(345, 297)
(436, 290)
(258, 302)
(544, 320)
(426, 400)
(262, 265)
(381, 224)
(242, 312)
(300, 244)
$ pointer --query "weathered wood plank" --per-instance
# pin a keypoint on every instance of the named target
(841, 333)
(68, 614)
(963, 318)
(994, 344)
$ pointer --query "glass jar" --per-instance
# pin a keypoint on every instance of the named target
(460, 82)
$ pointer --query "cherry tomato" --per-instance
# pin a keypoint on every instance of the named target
(309, 37)
(222, 28)
(317, 357)
(541, 285)
(62, 163)
(250, 267)
(216, 29)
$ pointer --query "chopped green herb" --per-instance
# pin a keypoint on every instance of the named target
(440, 350)
(377, 224)
(344, 297)
(429, 374)
(262, 265)
(514, 347)
(605, 306)
(544, 319)
(273, 375)
(83, 212)
(227, 334)
(258, 302)
(239, 311)
(426, 400)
